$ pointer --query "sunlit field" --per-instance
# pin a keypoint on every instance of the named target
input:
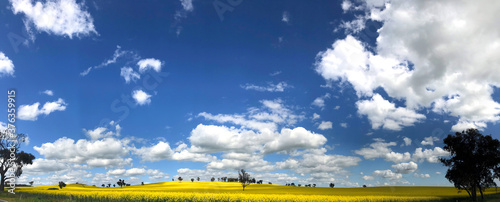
(232, 191)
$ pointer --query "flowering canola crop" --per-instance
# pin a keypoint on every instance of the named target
(227, 191)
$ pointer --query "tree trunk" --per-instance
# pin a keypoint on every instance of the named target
(481, 191)
(474, 194)
(2, 181)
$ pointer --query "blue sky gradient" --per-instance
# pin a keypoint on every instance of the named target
(292, 91)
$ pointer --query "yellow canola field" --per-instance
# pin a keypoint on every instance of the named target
(232, 191)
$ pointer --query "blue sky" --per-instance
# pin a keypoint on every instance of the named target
(350, 92)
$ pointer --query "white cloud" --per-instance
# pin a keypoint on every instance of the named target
(421, 175)
(102, 132)
(141, 97)
(320, 101)
(268, 117)
(368, 177)
(108, 152)
(163, 151)
(325, 125)
(280, 87)
(61, 17)
(31, 112)
(291, 139)
(285, 17)
(41, 165)
(129, 74)
(322, 163)
(3, 126)
(254, 162)
(380, 149)
(187, 5)
(388, 174)
(137, 172)
(316, 116)
(405, 168)
(456, 79)
(149, 63)
(48, 92)
(119, 53)
(429, 140)
(346, 5)
(6, 66)
(464, 125)
(407, 141)
(431, 155)
(343, 125)
(385, 114)
(210, 138)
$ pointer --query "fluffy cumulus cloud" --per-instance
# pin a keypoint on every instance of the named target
(6, 66)
(456, 79)
(388, 174)
(325, 125)
(163, 151)
(211, 138)
(430, 155)
(149, 64)
(107, 152)
(271, 87)
(385, 114)
(380, 149)
(141, 97)
(405, 168)
(31, 112)
(407, 141)
(136, 172)
(315, 161)
(421, 175)
(429, 140)
(58, 17)
(42, 166)
(102, 132)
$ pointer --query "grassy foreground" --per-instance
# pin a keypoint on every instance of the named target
(232, 191)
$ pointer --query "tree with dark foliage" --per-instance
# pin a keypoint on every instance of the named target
(62, 184)
(474, 162)
(121, 182)
(180, 179)
(10, 145)
(244, 178)
(332, 185)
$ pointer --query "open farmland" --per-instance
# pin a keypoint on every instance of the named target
(231, 191)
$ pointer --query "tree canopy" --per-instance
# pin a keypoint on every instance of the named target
(474, 161)
(244, 178)
(9, 147)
